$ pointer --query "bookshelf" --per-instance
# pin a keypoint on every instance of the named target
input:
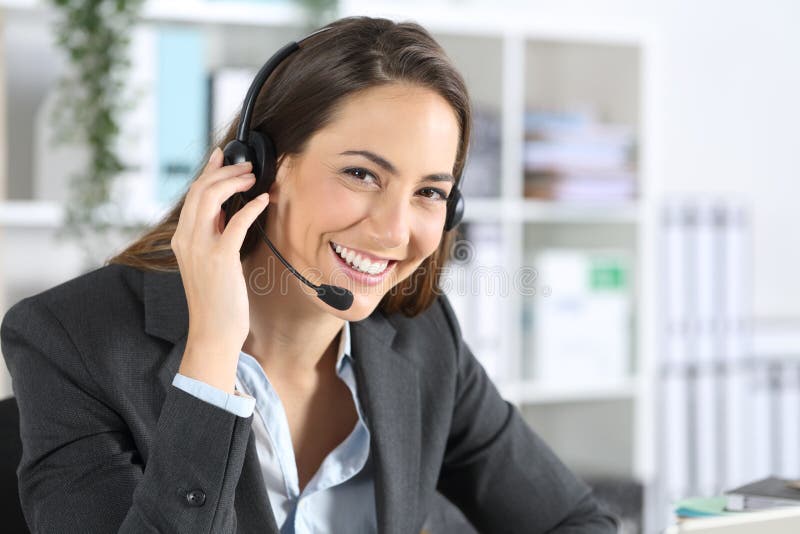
(511, 65)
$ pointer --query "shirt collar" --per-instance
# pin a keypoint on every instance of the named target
(344, 346)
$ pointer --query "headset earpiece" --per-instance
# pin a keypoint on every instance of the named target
(236, 152)
(263, 164)
(455, 209)
(260, 151)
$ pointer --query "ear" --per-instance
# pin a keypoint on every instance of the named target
(282, 177)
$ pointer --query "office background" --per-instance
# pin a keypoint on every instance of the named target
(627, 273)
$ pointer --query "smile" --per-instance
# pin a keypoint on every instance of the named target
(361, 261)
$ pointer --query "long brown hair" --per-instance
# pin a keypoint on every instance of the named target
(301, 97)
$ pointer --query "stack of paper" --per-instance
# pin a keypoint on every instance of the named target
(570, 156)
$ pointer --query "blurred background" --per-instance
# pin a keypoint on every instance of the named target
(626, 272)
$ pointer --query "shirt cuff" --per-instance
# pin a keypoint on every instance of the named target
(238, 403)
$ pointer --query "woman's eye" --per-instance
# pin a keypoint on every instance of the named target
(433, 193)
(360, 174)
(363, 176)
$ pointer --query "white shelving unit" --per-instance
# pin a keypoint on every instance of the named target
(500, 57)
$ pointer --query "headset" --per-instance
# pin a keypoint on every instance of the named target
(258, 148)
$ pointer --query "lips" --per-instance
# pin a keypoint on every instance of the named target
(361, 261)
(361, 253)
(360, 276)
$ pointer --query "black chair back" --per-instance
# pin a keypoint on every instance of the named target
(10, 454)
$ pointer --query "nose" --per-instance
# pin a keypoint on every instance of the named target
(391, 222)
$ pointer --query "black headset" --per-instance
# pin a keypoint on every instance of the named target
(257, 148)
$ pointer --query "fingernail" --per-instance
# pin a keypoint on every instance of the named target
(215, 154)
(244, 163)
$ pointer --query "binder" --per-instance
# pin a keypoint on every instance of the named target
(675, 443)
(760, 464)
(706, 267)
(738, 412)
(705, 371)
(790, 425)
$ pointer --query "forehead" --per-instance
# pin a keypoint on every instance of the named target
(407, 124)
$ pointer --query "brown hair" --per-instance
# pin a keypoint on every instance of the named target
(300, 98)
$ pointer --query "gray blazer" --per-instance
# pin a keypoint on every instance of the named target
(110, 445)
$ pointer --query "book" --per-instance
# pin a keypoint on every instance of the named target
(701, 507)
(770, 492)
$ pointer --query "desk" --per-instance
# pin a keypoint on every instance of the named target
(776, 521)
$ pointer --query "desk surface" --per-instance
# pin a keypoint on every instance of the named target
(777, 521)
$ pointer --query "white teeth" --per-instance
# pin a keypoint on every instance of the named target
(360, 263)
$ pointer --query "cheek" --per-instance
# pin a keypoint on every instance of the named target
(429, 232)
(339, 203)
(327, 206)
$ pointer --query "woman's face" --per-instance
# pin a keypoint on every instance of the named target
(371, 184)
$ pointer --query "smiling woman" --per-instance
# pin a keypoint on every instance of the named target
(194, 384)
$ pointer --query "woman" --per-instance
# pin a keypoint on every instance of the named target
(195, 385)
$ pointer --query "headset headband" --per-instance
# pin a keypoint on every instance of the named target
(255, 147)
(261, 78)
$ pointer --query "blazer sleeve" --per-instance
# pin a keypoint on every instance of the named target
(80, 469)
(501, 475)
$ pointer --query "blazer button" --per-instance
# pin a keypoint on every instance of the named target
(196, 497)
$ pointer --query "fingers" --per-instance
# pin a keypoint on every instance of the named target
(214, 172)
(206, 180)
(212, 198)
(201, 224)
(214, 161)
(240, 222)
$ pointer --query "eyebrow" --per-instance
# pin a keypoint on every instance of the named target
(382, 162)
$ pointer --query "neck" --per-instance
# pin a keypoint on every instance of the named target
(292, 337)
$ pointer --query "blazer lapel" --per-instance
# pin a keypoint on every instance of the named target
(253, 509)
(167, 317)
(388, 388)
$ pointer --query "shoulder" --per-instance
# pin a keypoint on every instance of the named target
(99, 294)
(89, 313)
(436, 320)
(90, 328)
(433, 335)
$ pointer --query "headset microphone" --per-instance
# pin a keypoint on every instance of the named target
(257, 148)
(334, 296)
